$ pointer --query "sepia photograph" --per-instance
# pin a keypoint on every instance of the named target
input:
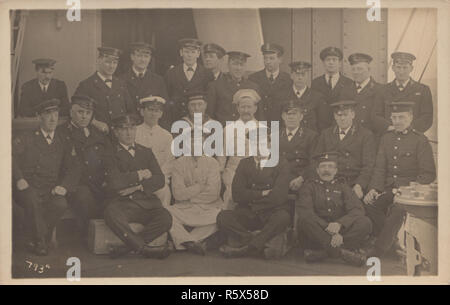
(294, 140)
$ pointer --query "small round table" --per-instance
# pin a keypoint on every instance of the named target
(421, 236)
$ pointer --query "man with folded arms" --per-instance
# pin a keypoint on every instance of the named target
(196, 189)
(331, 217)
(133, 177)
(44, 170)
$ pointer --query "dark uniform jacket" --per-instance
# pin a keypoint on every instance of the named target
(93, 154)
(311, 102)
(220, 97)
(402, 158)
(357, 153)
(273, 95)
(415, 92)
(122, 174)
(33, 95)
(327, 202)
(111, 102)
(178, 86)
(364, 109)
(298, 152)
(150, 84)
(44, 165)
(249, 182)
(325, 117)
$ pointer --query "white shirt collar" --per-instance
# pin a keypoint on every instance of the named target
(136, 72)
(345, 130)
(185, 67)
(127, 146)
(275, 74)
(43, 86)
(52, 134)
(364, 83)
(334, 77)
(300, 91)
(293, 131)
(103, 78)
(398, 83)
(216, 75)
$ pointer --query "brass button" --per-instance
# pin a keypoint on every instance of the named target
(395, 157)
(329, 210)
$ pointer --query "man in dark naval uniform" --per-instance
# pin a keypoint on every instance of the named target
(404, 156)
(42, 88)
(296, 144)
(331, 217)
(93, 150)
(404, 89)
(355, 144)
(274, 84)
(310, 100)
(331, 84)
(212, 59)
(366, 90)
(132, 178)
(109, 91)
(261, 196)
(140, 81)
(220, 92)
(184, 78)
(44, 170)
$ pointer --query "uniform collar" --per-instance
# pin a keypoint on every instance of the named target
(334, 77)
(127, 147)
(103, 78)
(364, 83)
(294, 132)
(300, 91)
(185, 67)
(136, 72)
(275, 74)
(44, 86)
(45, 134)
(404, 84)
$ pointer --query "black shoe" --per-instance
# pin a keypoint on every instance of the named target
(118, 251)
(41, 248)
(159, 252)
(195, 247)
(230, 252)
(353, 258)
(313, 256)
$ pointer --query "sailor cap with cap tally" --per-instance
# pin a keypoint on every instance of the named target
(401, 106)
(152, 100)
(195, 96)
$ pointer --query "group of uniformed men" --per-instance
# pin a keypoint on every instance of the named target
(346, 145)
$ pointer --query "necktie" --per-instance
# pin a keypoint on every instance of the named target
(400, 87)
(44, 89)
(190, 69)
(341, 134)
(108, 82)
(141, 75)
(271, 79)
(290, 135)
(49, 139)
(131, 150)
(298, 94)
(189, 73)
(329, 82)
(86, 132)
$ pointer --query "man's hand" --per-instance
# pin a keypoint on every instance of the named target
(266, 193)
(336, 240)
(333, 228)
(22, 184)
(371, 196)
(130, 190)
(357, 189)
(144, 174)
(59, 190)
(296, 183)
(103, 127)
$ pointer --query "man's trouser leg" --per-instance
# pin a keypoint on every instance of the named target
(35, 226)
(273, 223)
(120, 213)
(387, 218)
(54, 208)
(85, 205)
(313, 235)
(357, 232)
(238, 224)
